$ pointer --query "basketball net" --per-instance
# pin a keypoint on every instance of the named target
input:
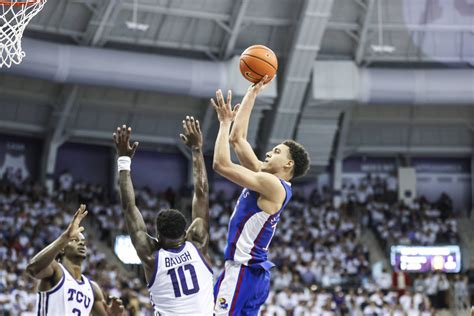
(15, 15)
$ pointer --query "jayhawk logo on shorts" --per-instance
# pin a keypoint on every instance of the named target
(223, 303)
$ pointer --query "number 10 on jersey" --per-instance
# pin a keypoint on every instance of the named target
(182, 280)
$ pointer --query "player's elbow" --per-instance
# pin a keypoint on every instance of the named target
(202, 190)
(235, 140)
(217, 165)
(32, 270)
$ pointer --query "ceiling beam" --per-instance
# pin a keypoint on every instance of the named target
(145, 138)
(304, 49)
(221, 17)
(23, 127)
(152, 8)
(343, 26)
(391, 58)
(58, 123)
(56, 135)
(54, 30)
(238, 14)
(359, 55)
(428, 150)
(95, 30)
(164, 44)
(343, 134)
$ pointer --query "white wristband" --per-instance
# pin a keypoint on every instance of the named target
(123, 163)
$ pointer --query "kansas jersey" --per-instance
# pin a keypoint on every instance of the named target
(69, 297)
(182, 283)
(251, 229)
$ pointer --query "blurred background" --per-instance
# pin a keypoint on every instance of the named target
(380, 92)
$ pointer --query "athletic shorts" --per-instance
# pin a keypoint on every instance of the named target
(241, 290)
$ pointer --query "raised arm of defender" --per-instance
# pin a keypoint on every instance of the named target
(198, 231)
(144, 244)
(43, 265)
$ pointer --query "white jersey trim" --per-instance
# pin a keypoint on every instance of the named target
(249, 234)
(202, 258)
(155, 270)
(43, 296)
(57, 286)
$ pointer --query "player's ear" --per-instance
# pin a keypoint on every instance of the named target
(290, 164)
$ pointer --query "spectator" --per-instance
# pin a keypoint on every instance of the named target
(384, 280)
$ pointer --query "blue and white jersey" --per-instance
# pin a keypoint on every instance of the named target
(182, 283)
(251, 229)
(67, 298)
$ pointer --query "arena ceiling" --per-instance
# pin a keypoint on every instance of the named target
(410, 33)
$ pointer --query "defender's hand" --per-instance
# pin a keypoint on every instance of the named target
(122, 142)
(192, 136)
(116, 307)
(225, 114)
(74, 227)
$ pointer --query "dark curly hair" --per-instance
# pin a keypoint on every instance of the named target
(300, 156)
(170, 223)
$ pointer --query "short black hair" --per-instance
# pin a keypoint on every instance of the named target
(170, 223)
(300, 156)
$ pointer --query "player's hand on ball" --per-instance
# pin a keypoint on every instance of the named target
(192, 136)
(122, 141)
(256, 88)
(224, 110)
(74, 227)
(116, 306)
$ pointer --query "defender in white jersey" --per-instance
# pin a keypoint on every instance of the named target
(176, 263)
(63, 290)
(182, 277)
(244, 284)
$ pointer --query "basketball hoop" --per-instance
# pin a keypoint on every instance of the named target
(15, 15)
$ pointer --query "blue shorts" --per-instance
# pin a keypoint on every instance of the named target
(241, 290)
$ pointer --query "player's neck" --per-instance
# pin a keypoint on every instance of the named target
(283, 175)
(74, 267)
(172, 243)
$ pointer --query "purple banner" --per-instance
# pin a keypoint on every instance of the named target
(89, 163)
(442, 165)
(369, 165)
(20, 156)
(159, 170)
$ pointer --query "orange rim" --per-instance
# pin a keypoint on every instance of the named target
(20, 3)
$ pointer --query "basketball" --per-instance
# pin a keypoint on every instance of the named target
(258, 61)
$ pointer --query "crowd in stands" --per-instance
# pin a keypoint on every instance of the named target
(419, 222)
(31, 219)
(322, 268)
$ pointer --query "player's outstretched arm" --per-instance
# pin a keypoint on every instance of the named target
(238, 135)
(144, 244)
(264, 183)
(43, 265)
(198, 231)
(101, 308)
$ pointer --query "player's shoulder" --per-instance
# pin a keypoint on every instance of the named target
(268, 177)
(96, 289)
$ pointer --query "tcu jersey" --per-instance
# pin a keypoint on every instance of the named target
(69, 297)
(182, 283)
(251, 229)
